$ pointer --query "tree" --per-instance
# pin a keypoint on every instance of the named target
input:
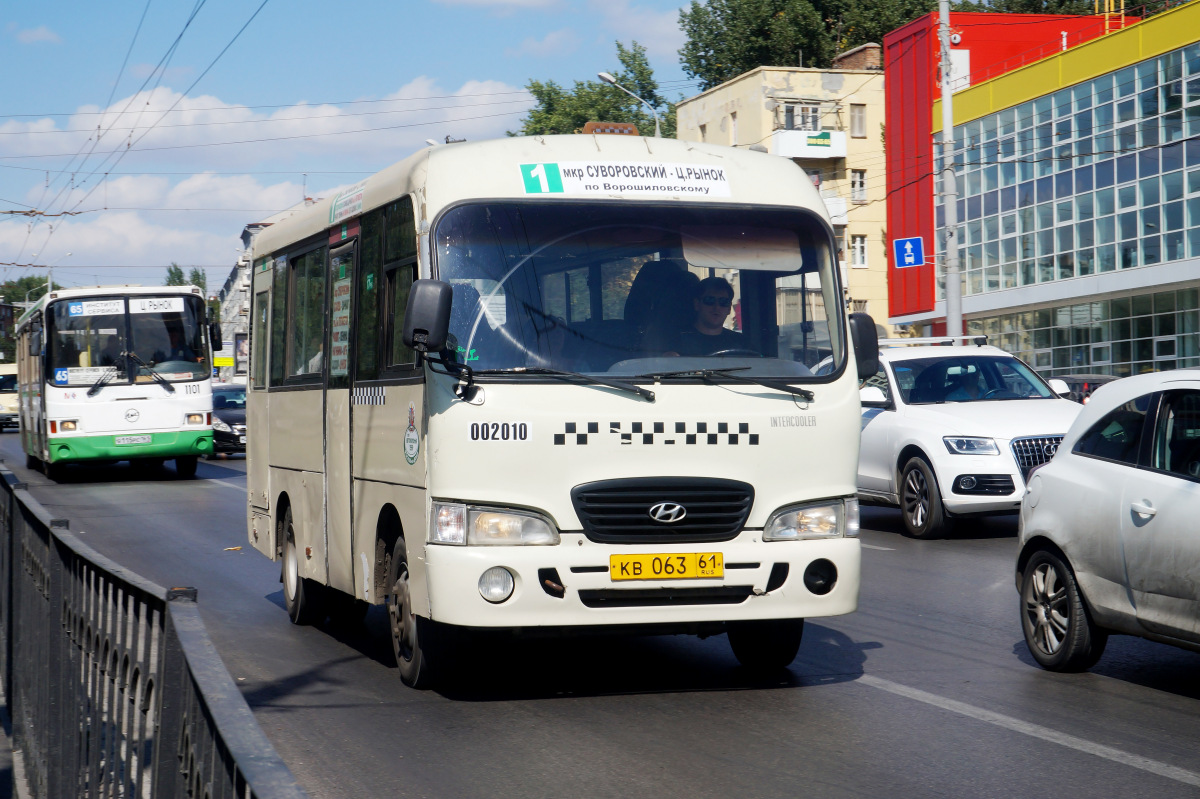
(175, 275)
(726, 38)
(197, 277)
(562, 111)
(30, 287)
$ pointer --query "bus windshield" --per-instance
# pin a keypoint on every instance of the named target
(90, 338)
(634, 290)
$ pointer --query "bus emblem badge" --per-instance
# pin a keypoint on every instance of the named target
(412, 441)
(132, 415)
(667, 512)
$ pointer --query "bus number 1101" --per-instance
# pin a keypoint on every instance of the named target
(499, 431)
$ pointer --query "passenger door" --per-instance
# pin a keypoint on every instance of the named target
(1159, 511)
(342, 266)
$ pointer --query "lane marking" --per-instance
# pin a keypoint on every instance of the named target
(1036, 731)
(223, 484)
(873, 546)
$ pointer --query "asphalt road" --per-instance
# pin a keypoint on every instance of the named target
(926, 691)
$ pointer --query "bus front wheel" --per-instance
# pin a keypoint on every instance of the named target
(768, 645)
(301, 596)
(411, 635)
(185, 466)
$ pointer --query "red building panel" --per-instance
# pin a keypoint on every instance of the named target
(998, 43)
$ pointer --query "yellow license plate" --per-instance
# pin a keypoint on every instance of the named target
(685, 566)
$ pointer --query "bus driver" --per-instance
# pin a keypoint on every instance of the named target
(712, 303)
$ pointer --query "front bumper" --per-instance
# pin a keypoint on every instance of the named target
(70, 449)
(229, 442)
(985, 468)
(9, 420)
(592, 599)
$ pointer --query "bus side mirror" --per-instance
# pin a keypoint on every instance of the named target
(35, 344)
(866, 344)
(427, 316)
(214, 336)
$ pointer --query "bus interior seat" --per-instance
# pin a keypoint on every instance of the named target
(659, 304)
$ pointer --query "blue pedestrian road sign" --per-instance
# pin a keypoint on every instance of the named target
(909, 252)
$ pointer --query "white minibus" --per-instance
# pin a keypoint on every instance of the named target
(558, 385)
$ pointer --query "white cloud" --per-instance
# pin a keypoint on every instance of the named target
(555, 43)
(326, 142)
(657, 31)
(38, 35)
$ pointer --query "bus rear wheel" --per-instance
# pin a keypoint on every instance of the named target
(301, 596)
(412, 636)
(185, 466)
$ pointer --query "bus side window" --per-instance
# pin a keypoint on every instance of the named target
(306, 322)
(400, 264)
(370, 259)
(399, 282)
(259, 335)
(279, 315)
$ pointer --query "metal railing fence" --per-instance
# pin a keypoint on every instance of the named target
(113, 685)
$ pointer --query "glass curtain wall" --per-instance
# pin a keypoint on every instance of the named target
(1097, 177)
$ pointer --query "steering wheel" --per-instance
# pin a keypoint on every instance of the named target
(734, 352)
(996, 392)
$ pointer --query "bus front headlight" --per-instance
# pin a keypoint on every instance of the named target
(195, 418)
(825, 520)
(463, 524)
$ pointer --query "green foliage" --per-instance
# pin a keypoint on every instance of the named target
(561, 111)
(197, 277)
(31, 286)
(175, 276)
(726, 38)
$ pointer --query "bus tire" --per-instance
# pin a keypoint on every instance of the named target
(301, 596)
(53, 470)
(32, 462)
(185, 465)
(766, 646)
(412, 636)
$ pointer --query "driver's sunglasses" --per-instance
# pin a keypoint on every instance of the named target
(709, 299)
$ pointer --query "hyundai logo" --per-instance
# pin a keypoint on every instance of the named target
(132, 415)
(1049, 449)
(667, 512)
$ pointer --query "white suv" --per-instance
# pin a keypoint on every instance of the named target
(953, 430)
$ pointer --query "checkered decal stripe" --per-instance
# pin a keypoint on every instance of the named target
(370, 395)
(685, 433)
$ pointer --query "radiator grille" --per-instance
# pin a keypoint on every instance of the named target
(1034, 451)
(618, 511)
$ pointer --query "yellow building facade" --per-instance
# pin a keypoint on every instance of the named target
(830, 122)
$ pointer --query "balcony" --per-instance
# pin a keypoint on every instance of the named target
(810, 144)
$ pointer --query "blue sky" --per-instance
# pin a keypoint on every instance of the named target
(188, 157)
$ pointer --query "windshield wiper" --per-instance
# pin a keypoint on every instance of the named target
(157, 377)
(645, 393)
(104, 378)
(710, 374)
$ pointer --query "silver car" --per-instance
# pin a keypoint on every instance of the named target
(1108, 528)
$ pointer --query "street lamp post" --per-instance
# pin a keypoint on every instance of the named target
(604, 76)
(49, 274)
